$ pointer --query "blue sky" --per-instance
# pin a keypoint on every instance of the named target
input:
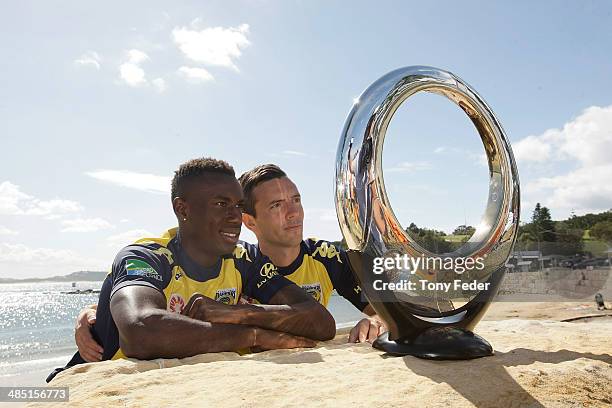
(101, 102)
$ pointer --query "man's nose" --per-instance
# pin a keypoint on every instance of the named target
(292, 211)
(234, 213)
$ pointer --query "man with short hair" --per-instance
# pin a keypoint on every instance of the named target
(273, 211)
(176, 296)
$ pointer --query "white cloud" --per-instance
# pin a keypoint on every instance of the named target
(7, 231)
(137, 56)
(585, 142)
(139, 181)
(120, 240)
(294, 153)
(22, 261)
(132, 74)
(440, 149)
(159, 84)
(532, 148)
(321, 223)
(89, 59)
(22, 255)
(85, 225)
(53, 208)
(587, 189)
(196, 75)
(15, 202)
(409, 167)
(480, 159)
(11, 199)
(130, 71)
(217, 46)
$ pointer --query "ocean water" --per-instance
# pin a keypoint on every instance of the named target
(37, 327)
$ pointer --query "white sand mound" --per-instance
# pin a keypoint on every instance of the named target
(536, 363)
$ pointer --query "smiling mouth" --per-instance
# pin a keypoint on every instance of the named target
(293, 227)
(230, 236)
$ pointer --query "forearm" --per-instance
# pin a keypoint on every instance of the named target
(307, 319)
(160, 334)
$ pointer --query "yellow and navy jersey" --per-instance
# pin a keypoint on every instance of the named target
(162, 264)
(318, 269)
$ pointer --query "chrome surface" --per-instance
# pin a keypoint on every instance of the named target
(371, 228)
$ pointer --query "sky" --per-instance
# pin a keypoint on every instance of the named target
(101, 102)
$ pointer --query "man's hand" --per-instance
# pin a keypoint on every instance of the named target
(88, 348)
(207, 310)
(272, 340)
(368, 329)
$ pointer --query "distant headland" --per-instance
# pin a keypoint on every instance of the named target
(89, 276)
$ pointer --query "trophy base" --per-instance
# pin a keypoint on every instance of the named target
(438, 343)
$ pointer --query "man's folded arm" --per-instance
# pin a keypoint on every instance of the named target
(290, 310)
(147, 330)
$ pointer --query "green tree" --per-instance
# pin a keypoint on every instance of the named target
(569, 240)
(464, 230)
(588, 220)
(542, 225)
(602, 231)
(430, 239)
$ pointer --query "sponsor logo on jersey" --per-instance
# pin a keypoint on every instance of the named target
(137, 267)
(240, 251)
(164, 252)
(314, 290)
(267, 271)
(327, 250)
(176, 303)
(226, 296)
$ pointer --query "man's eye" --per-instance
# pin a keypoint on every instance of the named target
(221, 204)
(297, 199)
(275, 205)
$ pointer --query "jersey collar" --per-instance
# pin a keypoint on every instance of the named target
(293, 266)
(193, 269)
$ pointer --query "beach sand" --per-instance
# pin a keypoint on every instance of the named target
(539, 360)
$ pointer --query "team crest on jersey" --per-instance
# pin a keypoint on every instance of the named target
(176, 303)
(314, 290)
(226, 296)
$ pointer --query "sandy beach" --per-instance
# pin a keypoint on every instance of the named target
(540, 360)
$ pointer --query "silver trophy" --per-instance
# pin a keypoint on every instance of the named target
(423, 320)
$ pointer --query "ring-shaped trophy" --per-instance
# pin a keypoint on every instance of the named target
(424, 322)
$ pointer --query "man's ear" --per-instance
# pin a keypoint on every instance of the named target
(180, 208)
(249, 221)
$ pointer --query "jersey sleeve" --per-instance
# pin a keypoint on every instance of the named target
(139, 265)
(261, 280)
(340, 273)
